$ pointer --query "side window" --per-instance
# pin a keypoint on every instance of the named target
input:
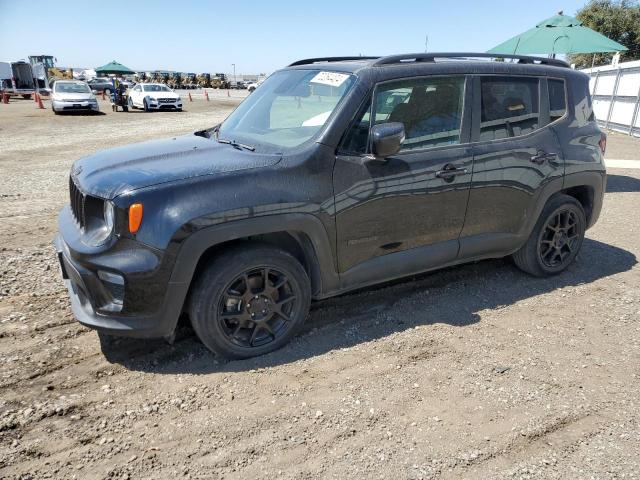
(557, 99)
(137, 88)
(510, 107)
(429, 108)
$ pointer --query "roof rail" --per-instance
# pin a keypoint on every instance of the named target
(430, 57)
(309, 61)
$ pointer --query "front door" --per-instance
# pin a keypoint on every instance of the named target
(414, 199)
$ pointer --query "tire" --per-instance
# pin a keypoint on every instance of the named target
(131, 105)
(145, 106)
(556, 238)
(232, 311)
(26, 96)
(107, 92)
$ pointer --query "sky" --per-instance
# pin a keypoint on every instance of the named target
(257, 36)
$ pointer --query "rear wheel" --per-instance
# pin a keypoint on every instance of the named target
(27, 96)
(250, 301)
(107, 92)
(556, 238)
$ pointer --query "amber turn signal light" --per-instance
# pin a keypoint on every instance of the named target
(135, 217)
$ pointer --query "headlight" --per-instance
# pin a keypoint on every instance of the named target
(100, 230)
(109, 216)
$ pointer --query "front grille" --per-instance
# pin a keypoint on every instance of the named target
(166, 100)
(77, 200)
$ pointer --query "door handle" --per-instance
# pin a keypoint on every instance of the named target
(449, 171)
(541, 156)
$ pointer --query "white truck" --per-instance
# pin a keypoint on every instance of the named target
(16, 78)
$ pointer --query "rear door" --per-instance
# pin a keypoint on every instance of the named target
(516, 160)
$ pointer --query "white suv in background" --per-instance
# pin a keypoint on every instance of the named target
(154, 96)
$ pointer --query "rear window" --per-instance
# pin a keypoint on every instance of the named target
(557, 99)
(510, 107)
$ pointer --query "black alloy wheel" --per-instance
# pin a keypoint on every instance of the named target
(249, 300)
(558, 239)
(256, 307)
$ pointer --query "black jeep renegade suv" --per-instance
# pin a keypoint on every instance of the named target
(337, 173)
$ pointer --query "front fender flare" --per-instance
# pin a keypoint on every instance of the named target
(197, 243)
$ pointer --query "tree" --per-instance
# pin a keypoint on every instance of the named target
(618, 20)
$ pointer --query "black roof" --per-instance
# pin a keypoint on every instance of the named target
(434, 62)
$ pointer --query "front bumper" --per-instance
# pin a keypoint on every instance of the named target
(65, 106)
(157, 105)
(152, 303)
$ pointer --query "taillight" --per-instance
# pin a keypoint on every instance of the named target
(603, 142)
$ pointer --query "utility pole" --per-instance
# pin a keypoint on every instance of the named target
(234, 74)
(426, 44)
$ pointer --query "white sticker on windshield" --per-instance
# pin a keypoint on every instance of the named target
(332, 79)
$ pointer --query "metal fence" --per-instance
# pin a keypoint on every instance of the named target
(616, 96)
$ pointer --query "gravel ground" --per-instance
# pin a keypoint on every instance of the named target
(473, 372)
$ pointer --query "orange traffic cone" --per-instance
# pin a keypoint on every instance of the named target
(103, 97)
(40, 105)
(5, 97)
(190, 99)
(206, 95)
(35, 97)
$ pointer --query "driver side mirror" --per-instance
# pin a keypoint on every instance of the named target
(387, 139)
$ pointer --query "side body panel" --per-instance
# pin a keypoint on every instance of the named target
(579, 136)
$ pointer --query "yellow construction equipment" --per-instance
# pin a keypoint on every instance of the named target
(48, 69)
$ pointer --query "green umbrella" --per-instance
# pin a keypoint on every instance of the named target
(558, 34)
(114, 68)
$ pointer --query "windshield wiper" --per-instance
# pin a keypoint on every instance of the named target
(235, 144)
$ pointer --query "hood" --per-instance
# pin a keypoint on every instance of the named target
(73, 96)
(110, 173)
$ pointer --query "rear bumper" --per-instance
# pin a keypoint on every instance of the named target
(150, 303)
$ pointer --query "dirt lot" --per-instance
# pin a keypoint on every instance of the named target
(474, 372)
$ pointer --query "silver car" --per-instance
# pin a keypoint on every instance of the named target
(70, 95)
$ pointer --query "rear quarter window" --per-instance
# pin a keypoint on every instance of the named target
(557, 99)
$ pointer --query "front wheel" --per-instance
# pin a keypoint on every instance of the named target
(556, 239)
(250, 301)
(145, 105)
(130, 102)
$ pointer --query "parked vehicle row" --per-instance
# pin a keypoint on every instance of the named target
(74, 95)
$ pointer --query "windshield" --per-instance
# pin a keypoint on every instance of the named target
(288, 109)
(72, 87)
(155, 88)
